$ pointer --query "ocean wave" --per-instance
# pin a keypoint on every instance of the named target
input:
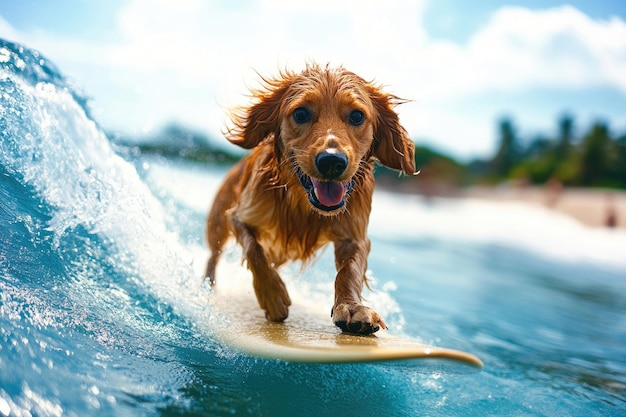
(90, 273)
(51, 145)
(103, 309)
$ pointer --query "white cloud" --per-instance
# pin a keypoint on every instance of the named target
(187, 60)
(559, 46)
(521, 49)
(518, 50)
(219, 48)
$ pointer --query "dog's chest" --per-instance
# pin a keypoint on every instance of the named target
(284, 235)
(285, 240)
(282, 246)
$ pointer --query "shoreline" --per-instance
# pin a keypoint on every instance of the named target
(598, 208)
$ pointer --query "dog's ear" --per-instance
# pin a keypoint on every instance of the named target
(392, 145)
(253, 124)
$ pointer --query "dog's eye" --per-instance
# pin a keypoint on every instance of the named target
(301, 115)
(356, 118)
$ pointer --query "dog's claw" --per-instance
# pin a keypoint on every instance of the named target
(357, 327)
(357, 319)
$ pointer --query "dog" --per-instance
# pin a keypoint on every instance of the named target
(307, 182)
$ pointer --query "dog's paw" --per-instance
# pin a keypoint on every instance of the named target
(357, 319)
(273, 297)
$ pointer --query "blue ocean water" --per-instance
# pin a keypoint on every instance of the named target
(103, 312)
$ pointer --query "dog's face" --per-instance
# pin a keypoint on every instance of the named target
(327, 130)
(326, 123)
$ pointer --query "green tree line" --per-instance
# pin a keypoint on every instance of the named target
(597, 158)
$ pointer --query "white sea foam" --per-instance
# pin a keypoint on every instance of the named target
(533, 228)
(406, 217)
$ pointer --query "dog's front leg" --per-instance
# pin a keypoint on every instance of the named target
(270, 289)
(349, 314)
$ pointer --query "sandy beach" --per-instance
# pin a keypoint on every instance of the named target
(592, 207)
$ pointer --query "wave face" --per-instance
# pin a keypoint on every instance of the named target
(88, 266)
(103, 311)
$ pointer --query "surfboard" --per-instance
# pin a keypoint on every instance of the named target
(310, 337)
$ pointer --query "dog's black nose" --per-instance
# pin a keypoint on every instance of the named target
(331, 163)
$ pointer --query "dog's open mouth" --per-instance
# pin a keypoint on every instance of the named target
(325, 195)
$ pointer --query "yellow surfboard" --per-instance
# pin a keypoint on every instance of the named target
(310, 337)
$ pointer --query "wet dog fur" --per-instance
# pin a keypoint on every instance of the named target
(308, 181)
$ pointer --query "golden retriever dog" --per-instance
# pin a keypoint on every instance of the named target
(307, 182)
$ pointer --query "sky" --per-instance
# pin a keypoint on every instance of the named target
(464, 65)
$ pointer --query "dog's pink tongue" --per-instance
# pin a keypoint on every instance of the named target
(329, 193)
